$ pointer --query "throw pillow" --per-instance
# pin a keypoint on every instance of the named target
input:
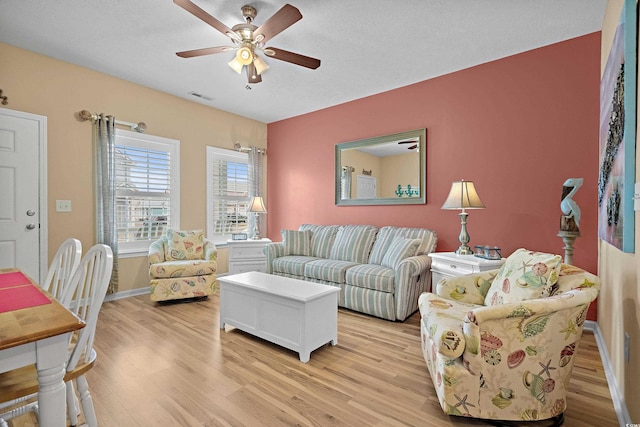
(353, 243)
(296, 242)
(184, 245)
(322, 237)
(525, 275)
(400, 248)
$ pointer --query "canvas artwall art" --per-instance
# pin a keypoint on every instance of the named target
(618, 92)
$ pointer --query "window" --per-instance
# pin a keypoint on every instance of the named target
(147, 189)
(227, 194)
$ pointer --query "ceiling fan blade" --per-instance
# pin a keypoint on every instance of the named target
(413, 147)
(200, 13)
(203, 51)
(409, 141)
(294, 58)
(281, 20)
(252, 75)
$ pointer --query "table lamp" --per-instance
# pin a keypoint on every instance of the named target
(257, 207)
(463, 196)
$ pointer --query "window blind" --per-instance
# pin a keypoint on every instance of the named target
(143, 192)
(230, 191)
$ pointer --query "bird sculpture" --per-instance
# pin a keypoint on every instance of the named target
(568, 206)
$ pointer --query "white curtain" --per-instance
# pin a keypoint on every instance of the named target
(255, 185)
(106, 231)
(345, 182)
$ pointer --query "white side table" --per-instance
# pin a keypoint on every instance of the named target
(450, 264)
(246, 255)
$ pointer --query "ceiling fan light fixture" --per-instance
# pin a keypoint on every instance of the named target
(260, 65)
(244, 56)
(236, 65)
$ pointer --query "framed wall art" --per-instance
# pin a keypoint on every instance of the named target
(618, 93)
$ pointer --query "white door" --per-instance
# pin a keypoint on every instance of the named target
(22, 192)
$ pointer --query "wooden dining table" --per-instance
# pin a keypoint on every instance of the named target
(36, 334)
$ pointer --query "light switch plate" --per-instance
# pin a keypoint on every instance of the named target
(63, 205)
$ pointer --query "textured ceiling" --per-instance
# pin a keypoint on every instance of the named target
(366, 46)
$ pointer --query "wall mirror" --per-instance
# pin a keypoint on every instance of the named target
(385, 170)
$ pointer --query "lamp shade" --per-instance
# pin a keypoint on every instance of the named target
(463, 196)
(244, 55)
(236, 65)
(260, 65)
(257, 205)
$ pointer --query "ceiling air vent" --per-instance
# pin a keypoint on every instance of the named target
(199, 95)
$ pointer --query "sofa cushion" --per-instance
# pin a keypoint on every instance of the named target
(291, 264)
(296, 242)
(525, 275)
(371, 276)
(182, 268)
(353, 243)
(329, 270)
(322, 237)
(184, 244)
(428, 240)
(399, 249)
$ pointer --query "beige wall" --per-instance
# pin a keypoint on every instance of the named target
(402, 169)
(618, 304)
(361, 161)
(58, 90)
(389, 171)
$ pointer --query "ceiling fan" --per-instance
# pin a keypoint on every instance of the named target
(410, 141)
(249, 40)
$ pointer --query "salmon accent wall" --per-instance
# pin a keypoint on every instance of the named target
(518, 127)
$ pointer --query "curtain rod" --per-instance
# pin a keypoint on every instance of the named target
(87, 115)
(242, 149)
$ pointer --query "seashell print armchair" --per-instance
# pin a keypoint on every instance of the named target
(499, 345)
(182, 265)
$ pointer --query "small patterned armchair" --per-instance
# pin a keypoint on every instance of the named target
(182, 264)
(499, 345)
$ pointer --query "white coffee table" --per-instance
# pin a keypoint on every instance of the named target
(295, 314)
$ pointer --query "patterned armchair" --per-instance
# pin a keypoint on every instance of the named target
(499, 344)
(182, 264)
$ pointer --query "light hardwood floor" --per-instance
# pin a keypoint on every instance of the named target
(171, 365)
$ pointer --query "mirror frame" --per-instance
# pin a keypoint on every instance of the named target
(421, 134)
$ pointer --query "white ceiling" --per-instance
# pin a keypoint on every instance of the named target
(366, 46)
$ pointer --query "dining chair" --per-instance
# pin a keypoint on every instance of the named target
(84, 297)
(62, 267)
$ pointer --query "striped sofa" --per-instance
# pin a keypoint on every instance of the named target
(380, 271)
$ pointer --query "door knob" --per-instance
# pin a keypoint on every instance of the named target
(31, 226)
(31, 212)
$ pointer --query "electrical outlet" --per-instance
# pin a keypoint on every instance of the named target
(63, 205)
(627, 347)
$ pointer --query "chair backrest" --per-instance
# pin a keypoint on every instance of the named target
(62, 267)
(85, 295)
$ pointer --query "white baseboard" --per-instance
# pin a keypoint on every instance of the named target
(619, 403)
(127, 294)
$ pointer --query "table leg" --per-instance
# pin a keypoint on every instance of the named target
(51, 358)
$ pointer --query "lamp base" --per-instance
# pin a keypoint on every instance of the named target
(256, 232)
(464, 250)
